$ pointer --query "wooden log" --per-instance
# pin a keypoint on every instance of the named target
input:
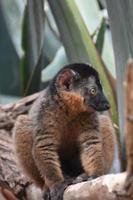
(107, 187)
(9, 112)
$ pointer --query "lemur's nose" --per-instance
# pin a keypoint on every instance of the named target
(106, 106)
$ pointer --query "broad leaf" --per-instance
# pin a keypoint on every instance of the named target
(58, 62)
(33, 40)
(100, 36)
(121, 20)
(92, 20)
(13, 12)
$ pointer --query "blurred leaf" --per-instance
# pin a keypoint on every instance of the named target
(92, 19)
(103, 3)
(100, 36)
(52, 44)
(33, 41)
(69, 30)
(10, 46)
(78, 43)
(58, 62)
(29, 15)
(108, 54)
(122, 29)
(51, 20)
(13, 12)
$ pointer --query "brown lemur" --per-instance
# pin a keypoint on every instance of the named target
(63, 134)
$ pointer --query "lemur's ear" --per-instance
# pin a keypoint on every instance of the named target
(66, 78)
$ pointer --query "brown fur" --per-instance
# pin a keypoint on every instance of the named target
(63, 135)
(108, 140)
(67, 131)
(23, 146)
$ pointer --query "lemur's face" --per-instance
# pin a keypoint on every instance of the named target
(93, 94)
(84, 90)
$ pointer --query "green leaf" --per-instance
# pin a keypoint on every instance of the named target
(52, 43)
(13, 12)
(11, 17)
(58, 62)
(25, 25)
(122, 29)
(100, 36)
(92, 20)
(33, 41)
(108, 53)
(78, 43)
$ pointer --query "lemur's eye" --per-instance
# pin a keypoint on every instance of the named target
(93, 91)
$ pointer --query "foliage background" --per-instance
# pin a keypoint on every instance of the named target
(29, 26)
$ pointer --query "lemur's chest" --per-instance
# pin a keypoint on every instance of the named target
(70, 137)
(69, 150)
(71, 132)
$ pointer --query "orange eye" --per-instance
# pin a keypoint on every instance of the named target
(93, 91)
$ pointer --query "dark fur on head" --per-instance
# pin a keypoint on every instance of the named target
(85, 70)
(81, 79)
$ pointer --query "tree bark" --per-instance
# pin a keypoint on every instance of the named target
(14, 185)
